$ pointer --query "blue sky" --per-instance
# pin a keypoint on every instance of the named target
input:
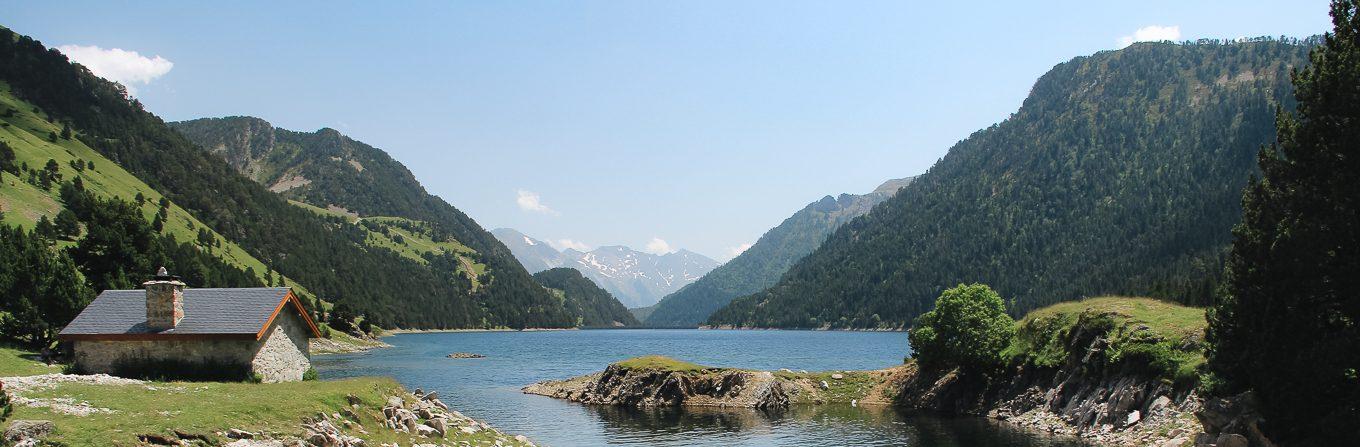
(695, 125)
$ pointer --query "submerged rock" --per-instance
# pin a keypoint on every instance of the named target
(466, 355)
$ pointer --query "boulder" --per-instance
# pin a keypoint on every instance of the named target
(1159, 404)
(395, 402)
(21, 430)
(425, 430)
(439, 425)
(1133, 418)
(239, 434)
(1231, 440)
(825, 386)
(838, 376)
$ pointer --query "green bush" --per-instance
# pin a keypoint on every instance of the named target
(968, 328)
(310, 374)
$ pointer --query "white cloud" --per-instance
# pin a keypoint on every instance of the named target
(563, 244)
(119, 65)
(1151, 33)
(659, 246)
(734, 251)
(530, 201)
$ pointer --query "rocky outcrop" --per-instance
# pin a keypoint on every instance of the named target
(1232, 422)
(645, 387)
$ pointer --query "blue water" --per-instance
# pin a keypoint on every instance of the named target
(489, 389)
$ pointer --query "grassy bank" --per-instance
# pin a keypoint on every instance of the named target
(118, 413)
(1164, 338)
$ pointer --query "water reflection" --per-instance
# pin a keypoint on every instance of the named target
(830, 425)
(488, 389)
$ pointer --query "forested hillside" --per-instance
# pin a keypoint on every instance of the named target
(761, 265)
(1120, 174)
(329, 255)
(595, 306)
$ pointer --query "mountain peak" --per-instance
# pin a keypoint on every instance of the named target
(636, 278)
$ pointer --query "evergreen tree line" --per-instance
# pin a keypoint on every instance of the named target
(326, 254)
(43, 286)
(1120, 174)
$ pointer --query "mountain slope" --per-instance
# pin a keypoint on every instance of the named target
(1120, 174)
(636, 278)
(761, 265)
(595, 306)
(328, 170)
(535, 255)
(327, 254)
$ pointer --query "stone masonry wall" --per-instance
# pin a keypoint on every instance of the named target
(103, 356)
(283, 355)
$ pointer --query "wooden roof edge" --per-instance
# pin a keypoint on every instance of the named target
(290, 297)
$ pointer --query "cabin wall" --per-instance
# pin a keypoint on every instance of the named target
(119, 357)
(283, 354)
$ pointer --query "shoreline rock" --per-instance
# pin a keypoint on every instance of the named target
(639, 387)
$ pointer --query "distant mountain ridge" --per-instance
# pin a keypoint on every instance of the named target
(761, 265)
(637, 279)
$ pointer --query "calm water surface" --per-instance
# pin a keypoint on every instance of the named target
(488, 389)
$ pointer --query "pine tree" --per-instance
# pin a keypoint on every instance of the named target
(1287, 324)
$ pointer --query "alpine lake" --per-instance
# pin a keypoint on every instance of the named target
(488, 388)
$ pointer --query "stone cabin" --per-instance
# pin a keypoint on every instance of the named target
(206, 333)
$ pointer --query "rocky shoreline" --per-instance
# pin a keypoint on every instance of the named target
(1123, 411)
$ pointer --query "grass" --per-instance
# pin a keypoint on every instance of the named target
(22, 362)
(323, 211)
(205, 408)
(852, 386)
(1160, 337)
(1160, 316)
(660, 363)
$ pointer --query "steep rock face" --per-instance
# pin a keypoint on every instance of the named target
(639, 387)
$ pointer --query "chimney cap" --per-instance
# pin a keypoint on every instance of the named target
(164, 275)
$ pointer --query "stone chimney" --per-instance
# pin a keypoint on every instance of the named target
(164, 301)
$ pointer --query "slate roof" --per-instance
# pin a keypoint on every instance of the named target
(227, 313)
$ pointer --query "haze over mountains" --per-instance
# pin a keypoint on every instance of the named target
(637, 279)
(761, 265)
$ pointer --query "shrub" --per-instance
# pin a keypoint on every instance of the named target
(968, 328)
(309, 375)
